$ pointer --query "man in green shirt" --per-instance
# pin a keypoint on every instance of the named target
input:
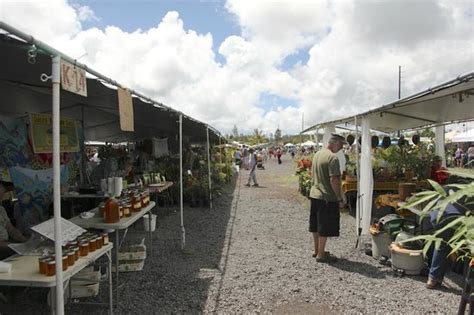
(326, 197)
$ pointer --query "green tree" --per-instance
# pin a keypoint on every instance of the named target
(258, 137)
(277, 135)
(427, 132)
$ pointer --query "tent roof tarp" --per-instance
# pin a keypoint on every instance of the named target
(467, 136)
(23, 92)
(449, 102)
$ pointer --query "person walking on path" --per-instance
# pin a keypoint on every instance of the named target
(253, 168)
(470, 155)
(326, 197)
(238, 158)
(278, 155)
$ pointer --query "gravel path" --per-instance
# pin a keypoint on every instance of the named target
(252, 254)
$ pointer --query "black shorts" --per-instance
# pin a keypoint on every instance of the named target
(324, 218)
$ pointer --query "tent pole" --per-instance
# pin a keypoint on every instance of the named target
(220, 149)
(56, 80)
(209, 167)
(183, 231)
(358, 216)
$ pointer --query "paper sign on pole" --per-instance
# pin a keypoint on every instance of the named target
(73, 79)
(125, 109)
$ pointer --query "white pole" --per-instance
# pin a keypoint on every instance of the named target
(56, 80)
(439, 143)
(357, 176)
(183, 231)
(209, 167)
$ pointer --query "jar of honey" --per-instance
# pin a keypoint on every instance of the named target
(92, 245)
(127, 209)
(105, 237)
(136, 202)
(71, 258)
(43, 265)
(99, 242)
(65, 262)
(112, 211)
(120, 210)
(76, 252)
(83, 249)
(51, 267)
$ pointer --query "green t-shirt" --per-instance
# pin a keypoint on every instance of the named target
(325, 165)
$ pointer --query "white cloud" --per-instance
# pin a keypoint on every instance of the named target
(85, 13)
(354, 50)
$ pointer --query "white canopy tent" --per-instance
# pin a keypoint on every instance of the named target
(289, 144)
(467, 136)
(450, 102)
(308, 143)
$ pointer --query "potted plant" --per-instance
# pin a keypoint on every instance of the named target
(462, 241)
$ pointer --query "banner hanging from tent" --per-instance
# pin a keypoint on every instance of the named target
(125, 109)
(42, 134)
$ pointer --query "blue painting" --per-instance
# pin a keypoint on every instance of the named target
(34, 189)
(13, 142)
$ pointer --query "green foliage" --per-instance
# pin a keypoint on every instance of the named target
(399, 159)
(278, 135)
(427, 132)
(424, 203)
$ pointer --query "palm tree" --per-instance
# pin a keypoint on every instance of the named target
(258, 136)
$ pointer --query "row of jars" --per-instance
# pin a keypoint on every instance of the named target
(80, 247)
(112, 210)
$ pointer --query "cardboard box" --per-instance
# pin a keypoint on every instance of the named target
(133, 252)
(130, 265)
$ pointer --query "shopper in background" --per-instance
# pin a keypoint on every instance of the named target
(470, 155)
(238, 158)
(278, 155)
(253, 168)
(438, 173)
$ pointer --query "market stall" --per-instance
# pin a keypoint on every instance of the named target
(25, 85)
(446, 103)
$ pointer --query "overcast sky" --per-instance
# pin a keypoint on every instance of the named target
(260, 64)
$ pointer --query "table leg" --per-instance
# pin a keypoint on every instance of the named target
(52, 299)
(111, 303)
(150, 233)
(117, 265)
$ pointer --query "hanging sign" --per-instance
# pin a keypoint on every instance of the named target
(41, 127)
(125, 109)
(73, 79)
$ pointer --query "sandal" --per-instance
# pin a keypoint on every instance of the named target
(314, 255)
(328, 258)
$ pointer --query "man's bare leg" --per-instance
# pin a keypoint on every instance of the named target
(315, 240)
(321, 246)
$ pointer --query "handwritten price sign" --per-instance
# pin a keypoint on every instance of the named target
(73, 79)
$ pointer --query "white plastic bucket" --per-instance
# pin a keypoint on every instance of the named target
(146, 224)
(380, 245)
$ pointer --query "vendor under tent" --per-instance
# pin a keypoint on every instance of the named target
(447, 103)
(467, 136)
(25, 61)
